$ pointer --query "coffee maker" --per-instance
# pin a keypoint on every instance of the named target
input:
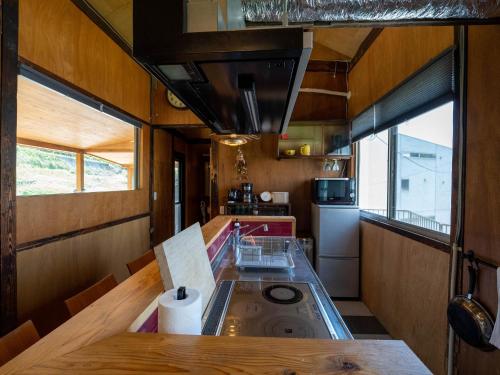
(247, 188)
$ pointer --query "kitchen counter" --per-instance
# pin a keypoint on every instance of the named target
(225, 269)
(95, 339)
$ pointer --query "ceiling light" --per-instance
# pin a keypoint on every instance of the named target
(234, 139)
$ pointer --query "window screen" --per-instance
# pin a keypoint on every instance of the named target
(430, 87)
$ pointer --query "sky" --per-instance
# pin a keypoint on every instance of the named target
(425, 126)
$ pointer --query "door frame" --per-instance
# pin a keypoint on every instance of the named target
(177, 156)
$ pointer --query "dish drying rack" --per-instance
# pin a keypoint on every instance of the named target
(265, 252)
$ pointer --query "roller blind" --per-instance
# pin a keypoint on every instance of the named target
(43, 79)
(363, 125)
(430, 87)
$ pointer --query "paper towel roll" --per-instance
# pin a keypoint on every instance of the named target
(180, 316)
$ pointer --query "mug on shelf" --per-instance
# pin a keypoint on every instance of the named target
(305, 150)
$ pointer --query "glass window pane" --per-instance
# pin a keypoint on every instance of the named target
(424, 152)
(49, 118)
(44, 171)
(373, 163)
(103, 175)
(177, 182)
(178, 217)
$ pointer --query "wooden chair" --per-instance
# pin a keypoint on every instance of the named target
(17, 341)
(80, 301)
(141, 262)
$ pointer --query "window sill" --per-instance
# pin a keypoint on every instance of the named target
(434, 239)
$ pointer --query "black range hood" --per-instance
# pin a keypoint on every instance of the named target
(243, 82)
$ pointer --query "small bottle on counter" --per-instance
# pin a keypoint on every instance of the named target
(236, 233)
(255, 210)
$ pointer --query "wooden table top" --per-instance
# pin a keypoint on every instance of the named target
(134, 353)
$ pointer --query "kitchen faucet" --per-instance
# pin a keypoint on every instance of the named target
(236, 232)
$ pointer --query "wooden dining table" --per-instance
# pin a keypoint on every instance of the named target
(136, 353)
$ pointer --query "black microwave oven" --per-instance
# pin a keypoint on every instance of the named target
(341, 191)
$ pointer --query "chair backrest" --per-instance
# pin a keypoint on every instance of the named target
(141, 262)
(81, 300)
(17, 341)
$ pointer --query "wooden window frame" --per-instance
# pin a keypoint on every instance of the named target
(436, 239)
(31, 72)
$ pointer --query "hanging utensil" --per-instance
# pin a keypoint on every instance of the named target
(468, 318)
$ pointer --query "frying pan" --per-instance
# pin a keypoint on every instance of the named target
(470, 321)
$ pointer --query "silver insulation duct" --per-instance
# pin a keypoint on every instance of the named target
(311, 11)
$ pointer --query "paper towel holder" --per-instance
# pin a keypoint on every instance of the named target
(181, 293)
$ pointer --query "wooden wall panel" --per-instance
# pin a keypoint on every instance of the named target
(49, 215)
(180, 146)
(165, 144)
(267, 173)
(195, 188)
(51, 273)
(482, 229)
(394, 55)
(404, 283)
(165, 114)
(312, 107)
(482, 202)
(163, 184)
(57, 36)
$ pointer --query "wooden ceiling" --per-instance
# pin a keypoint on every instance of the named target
(49, 119)
(338, 43)
(118, 13)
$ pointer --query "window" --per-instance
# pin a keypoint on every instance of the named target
(419, 182)
(67, 142)
(425, 200)
(405, 184)
(373, 163)
(178, 193)
(105, 175)
(411, 129)
(45, 171)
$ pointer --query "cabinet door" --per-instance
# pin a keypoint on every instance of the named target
(340, 277)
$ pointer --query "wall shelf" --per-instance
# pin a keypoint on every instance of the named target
(316, 157)
(321, 137)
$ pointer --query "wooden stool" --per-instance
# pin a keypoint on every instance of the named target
(17, 341)
(141, 262)
(81, 300)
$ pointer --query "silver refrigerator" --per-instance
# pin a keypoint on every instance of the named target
(336, 235)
